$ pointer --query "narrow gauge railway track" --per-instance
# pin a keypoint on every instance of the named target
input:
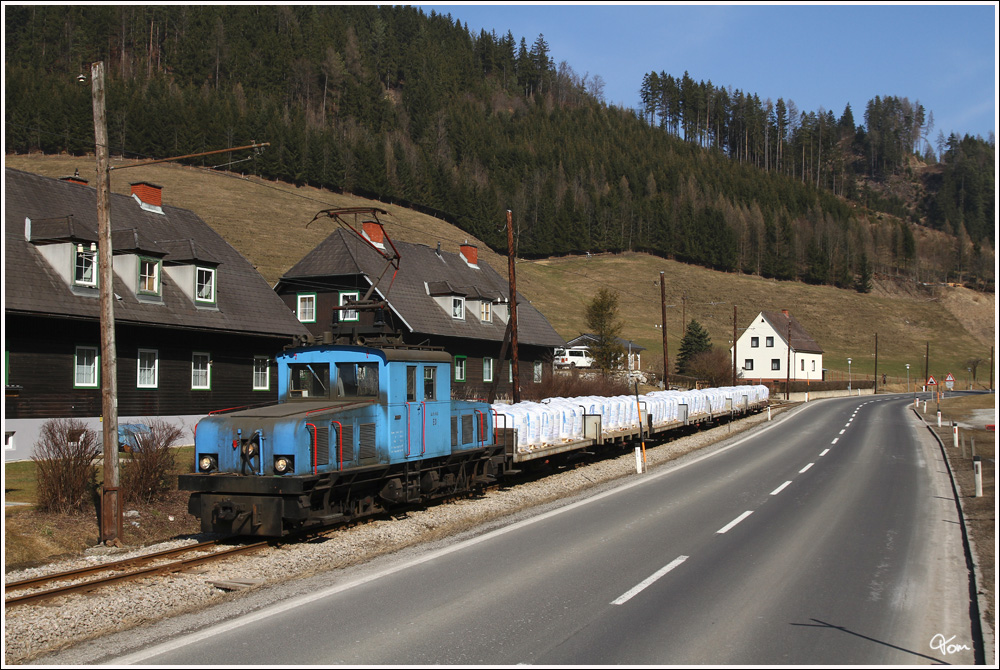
(124, 570)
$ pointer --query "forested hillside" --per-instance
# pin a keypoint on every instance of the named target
(408, 107)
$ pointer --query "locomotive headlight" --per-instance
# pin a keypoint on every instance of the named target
(283, 464)
(207, 463)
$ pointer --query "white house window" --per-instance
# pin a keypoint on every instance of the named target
(205, 287)
(147, 369)
(775, 363)
(261, 373)
(487, 369)
(348, 314)
(201, 371)
(85, 367)
(149, 276)
(754, 342)
(307, 307)
(485, 311)
(748, 364)
(769, 341)
(803, 366)
(537, 378)
(460, 368)
(814, 366)
(85, 266)
(458, 308)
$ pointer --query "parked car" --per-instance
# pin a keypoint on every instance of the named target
(574, 357)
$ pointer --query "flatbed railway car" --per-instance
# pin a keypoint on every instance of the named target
(357, 430)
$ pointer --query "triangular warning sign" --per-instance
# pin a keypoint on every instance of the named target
(931, 382)
(949, 378)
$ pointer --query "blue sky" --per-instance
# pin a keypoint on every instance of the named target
(819, 56)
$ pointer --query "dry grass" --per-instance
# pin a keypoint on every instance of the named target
(979, 512)
(267, 222)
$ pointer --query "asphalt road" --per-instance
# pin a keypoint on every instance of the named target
(830, 537)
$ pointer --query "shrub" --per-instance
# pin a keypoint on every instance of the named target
(64, 457)
(579, 384)
(144, 474)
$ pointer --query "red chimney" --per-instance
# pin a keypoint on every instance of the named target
(470, 253)
(150, 194)
(785, 312)
(75, 178)
(374, 233)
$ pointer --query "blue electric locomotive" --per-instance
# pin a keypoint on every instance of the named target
(355, 431)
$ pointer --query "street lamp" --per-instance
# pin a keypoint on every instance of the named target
(848, 375)
(907, 377)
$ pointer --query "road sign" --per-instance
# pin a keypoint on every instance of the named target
(931, 381)
(950, 378)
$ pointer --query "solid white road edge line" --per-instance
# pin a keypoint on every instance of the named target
(286, 605)
(635, 590)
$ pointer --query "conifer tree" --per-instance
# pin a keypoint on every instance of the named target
(604, 324)
(694, 342)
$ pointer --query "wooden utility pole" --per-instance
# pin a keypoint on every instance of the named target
(663, 311)
(111, 512)
(788, 364)
(513, 310)
(927, 362)
(734, 345)
(876, 364)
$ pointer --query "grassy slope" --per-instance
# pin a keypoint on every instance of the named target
(266, 222)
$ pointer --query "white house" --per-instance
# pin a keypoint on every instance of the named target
(762, 351)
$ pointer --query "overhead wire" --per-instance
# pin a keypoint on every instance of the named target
(399, 224)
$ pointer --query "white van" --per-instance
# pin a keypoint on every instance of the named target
(574, 357)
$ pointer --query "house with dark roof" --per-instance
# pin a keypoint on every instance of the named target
(434, 298)
(775, 346)
(196, 327)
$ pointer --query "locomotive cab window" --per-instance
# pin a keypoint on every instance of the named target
(309, 380)
(357, 380)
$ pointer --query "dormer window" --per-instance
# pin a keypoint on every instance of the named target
(85, 266)
(205, 285)
(149, 276)
(486, 311)
(458, 308)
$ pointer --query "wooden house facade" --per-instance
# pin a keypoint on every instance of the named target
(196, 327)
(436, 298)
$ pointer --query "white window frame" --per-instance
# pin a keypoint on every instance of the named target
(748, 364)
(769, 341)
(461, 368)
(776, 364)
(349, 314)
(80, 255)
(91, 364)
(487, 370)
(537, 372)
(155, 369)
(306, 307)
(198, 284)
(754, 342)
(458, 308)
(486, 311)
(261, 377)
(195, 370)
(155, 264)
